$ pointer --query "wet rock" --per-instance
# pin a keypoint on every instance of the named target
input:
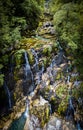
(59, 124)
(47, 24)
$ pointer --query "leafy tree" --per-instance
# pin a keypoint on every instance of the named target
(16, 18)
(68, 22)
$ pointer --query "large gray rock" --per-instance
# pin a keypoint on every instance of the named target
(56, 123)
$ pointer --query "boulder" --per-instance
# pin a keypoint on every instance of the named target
(56, 123)
(40, 108)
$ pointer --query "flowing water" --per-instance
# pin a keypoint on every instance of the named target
(8, 95)
(36, 60)
(27, 66)
(78, 126)
(28, 72)
(26, 113)
(18, 124)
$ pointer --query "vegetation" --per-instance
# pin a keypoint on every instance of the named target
(17, 19)
(68, 22)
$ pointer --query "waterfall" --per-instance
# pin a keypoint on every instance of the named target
(78, 126)
(27, 66)
(71, 104)
(36, 65)
(36, 60)
(71, 110)
(26, 113)
(68, 79)
(50, 109)
(8, 94)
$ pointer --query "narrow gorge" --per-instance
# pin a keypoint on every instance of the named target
(42, 88)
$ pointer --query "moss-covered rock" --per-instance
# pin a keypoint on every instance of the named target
(54, 47)
(63, 107)
(59, 75)
(30, 57)
(62, 92)
(40, 108)
(47, 50)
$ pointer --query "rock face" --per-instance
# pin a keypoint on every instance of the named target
(59, 124)
(41, 109)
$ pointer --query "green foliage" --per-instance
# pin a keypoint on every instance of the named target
(63, 107)
(31, 57)
(16, 17)
(68, 22)
(47, 50)
(18, 56)
(1, 79)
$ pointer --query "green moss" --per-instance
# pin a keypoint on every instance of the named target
(5, 59)
(31, 57)
(18, 56)
(40, 111)
(47, 50)
(63, 107)
(1, 66)
(59, 75)
(62, 91)
(55, 47)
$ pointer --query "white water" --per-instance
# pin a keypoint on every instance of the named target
(8, 94)
(71, 104)
(36, 59)
(27, 66)
(77, 83)
(26, 113)
(78, 126)
(68, 79)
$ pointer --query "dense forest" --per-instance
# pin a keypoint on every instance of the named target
(17, 19)
(41, 65)
(68, 21)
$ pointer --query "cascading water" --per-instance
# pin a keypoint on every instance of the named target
(78, 126)
(27, 66)
(36, 67)
(8, 94)
(70, 110)
(71, 104)
(36, 60)
(11, 64)
(26, 113)
(19, 124)
(28, 73)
